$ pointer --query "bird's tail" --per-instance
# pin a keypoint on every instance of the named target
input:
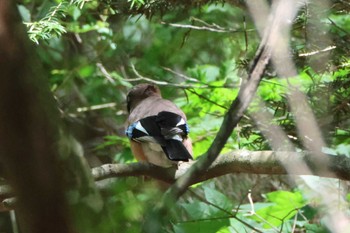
(176, 151)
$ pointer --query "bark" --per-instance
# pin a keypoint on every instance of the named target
(39, 160)
(249, 162)
(28, 133)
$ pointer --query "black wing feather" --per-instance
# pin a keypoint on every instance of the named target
(168, 129)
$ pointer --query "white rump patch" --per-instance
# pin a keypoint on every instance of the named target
(181, 122)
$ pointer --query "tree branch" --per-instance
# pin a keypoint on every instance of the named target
(231, 119)
(249, 162)
(257, 162)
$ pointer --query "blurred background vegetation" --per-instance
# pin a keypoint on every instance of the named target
(198, 53)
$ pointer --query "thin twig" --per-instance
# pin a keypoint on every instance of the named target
(336, 25)
(253, 213)
(207, 99)
(165, 83)
(205, 28)
(317, 51)
(96, 107)
(295, 223)
(181, 75)
(105, 73)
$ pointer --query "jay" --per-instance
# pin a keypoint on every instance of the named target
(157, 128)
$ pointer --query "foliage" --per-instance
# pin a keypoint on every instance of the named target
(93, 54)
(284, 205)
(47, 26)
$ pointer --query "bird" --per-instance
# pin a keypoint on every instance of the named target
(156, 127)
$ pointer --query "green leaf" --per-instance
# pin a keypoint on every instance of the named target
(25, 13)
(284, 206)
(205, 73)
(271, 91)
(200, 210)
(224, 229)
(76, 12)
(86, 71)
(315, 228)
(208, 226)
(343, 149)
(197, 210)
(218, 199)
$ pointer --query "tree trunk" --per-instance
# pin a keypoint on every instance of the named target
(32, 140)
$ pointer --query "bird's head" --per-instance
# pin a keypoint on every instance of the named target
(139, 93)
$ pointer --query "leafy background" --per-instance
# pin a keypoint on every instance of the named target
(94, 51)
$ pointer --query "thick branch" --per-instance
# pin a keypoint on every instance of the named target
(258, 162)
(231, 119)
(134, 169)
